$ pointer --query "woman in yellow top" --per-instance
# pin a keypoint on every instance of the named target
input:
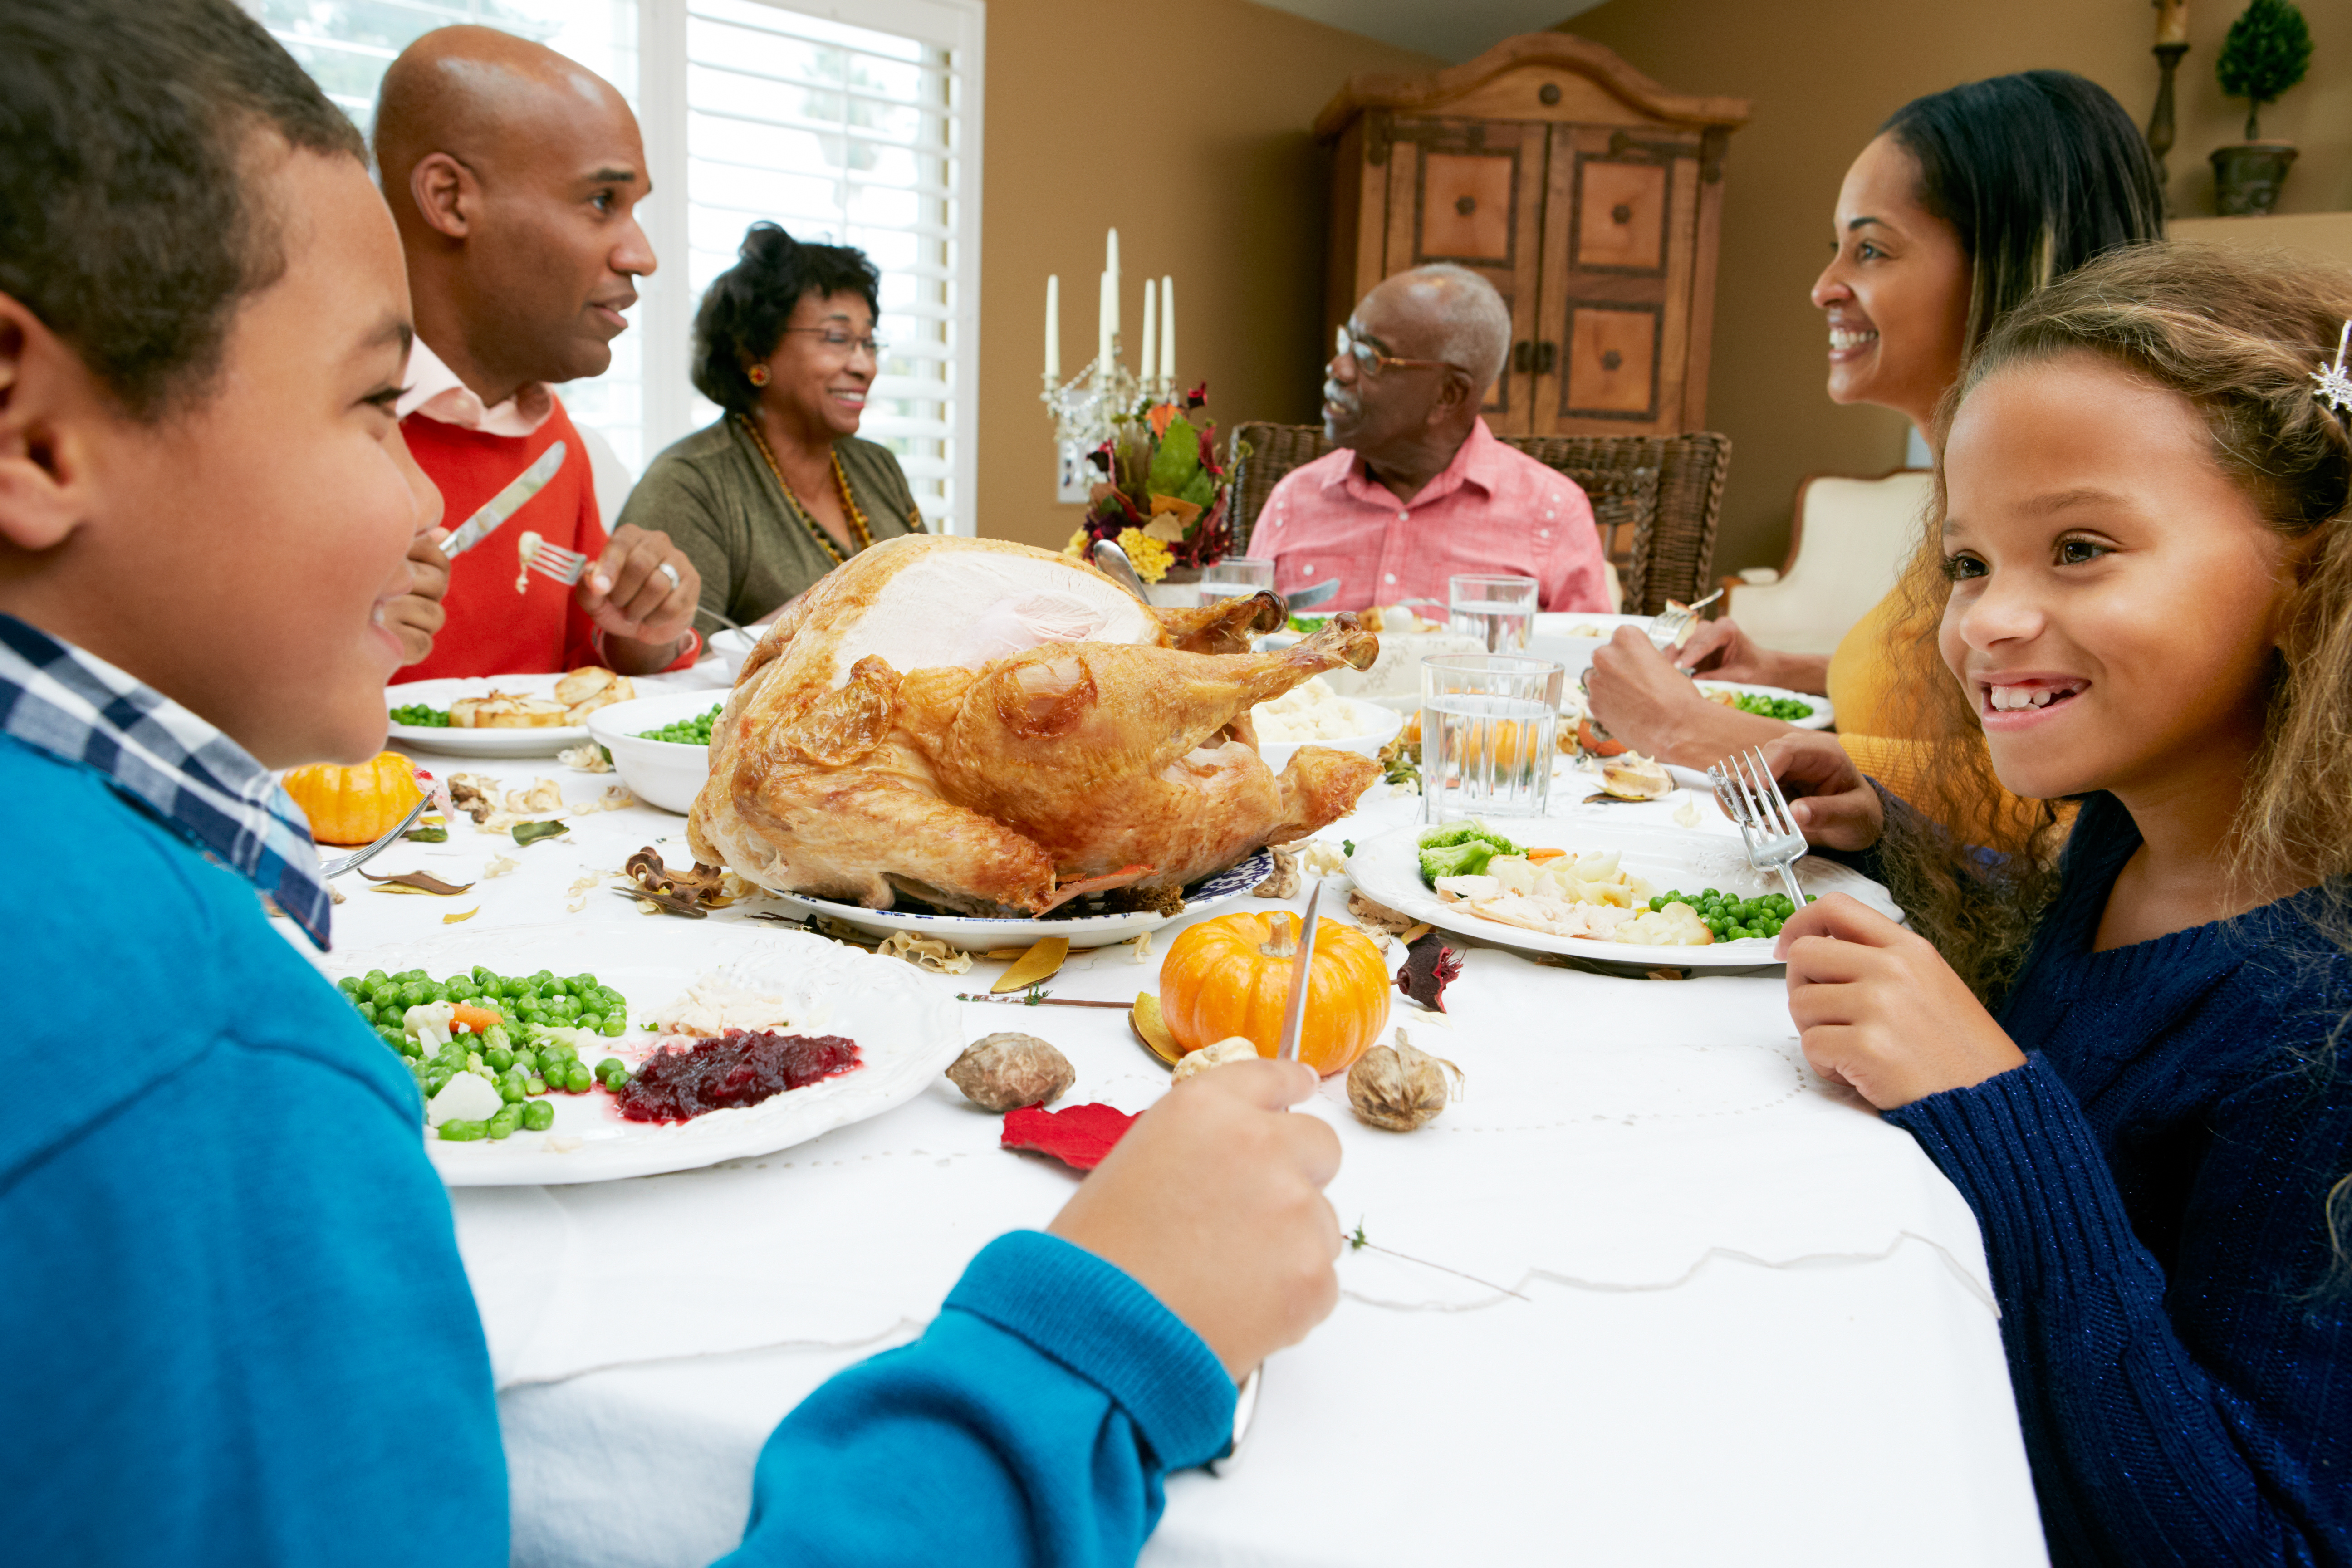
(1966, 202)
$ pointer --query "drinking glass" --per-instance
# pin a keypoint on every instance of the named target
(1499, 611)
(1490, 734)
(1235, 577)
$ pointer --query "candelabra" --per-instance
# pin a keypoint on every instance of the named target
(1084, 410)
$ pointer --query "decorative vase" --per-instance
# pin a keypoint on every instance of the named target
(2247, 176)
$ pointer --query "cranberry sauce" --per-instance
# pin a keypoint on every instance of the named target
(736, 1069)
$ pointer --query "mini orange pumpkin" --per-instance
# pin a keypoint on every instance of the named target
(1231, 975)
(355, 806)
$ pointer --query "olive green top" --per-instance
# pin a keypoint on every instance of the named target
(713, 495)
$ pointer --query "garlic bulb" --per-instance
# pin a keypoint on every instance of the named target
(1398, 1087)
(1232, 1048)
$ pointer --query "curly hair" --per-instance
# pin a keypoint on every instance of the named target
(131, 223)
(742, 315)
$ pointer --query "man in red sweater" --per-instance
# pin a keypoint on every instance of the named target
(513, 174)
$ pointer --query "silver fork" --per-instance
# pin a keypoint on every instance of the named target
(331, 869)
(1667, 625)
(568, 566)
(1751, 797)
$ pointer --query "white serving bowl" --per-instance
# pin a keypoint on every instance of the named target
(660, 773)
(734, 647)
(1379, 725)
(1554, 636)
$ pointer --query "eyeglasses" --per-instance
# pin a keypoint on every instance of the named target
(1371, 362)
(835, 338)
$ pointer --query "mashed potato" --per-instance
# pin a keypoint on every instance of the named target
(1308, 712)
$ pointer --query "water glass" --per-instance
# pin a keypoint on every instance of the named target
(1499, 611)
(1490, 734)
(1235, 577)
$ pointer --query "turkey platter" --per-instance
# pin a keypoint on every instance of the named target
(996, 729)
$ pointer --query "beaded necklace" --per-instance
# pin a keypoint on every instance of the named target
(858, 528)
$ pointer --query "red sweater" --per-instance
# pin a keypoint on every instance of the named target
(492, 630)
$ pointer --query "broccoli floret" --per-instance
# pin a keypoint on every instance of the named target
(1455, 861)
(1467, 833)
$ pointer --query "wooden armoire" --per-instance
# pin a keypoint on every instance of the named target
(1589, 196)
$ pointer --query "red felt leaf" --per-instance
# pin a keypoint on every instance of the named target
(1076, 1135)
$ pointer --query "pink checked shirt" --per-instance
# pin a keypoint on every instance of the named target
(1493, 511)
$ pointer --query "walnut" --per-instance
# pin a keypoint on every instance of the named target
(1007, 1071)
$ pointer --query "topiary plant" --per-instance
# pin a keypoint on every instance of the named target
(2266, 52)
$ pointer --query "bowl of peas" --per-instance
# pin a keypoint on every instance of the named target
(660, 745)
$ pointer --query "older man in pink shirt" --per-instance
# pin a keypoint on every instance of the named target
(1421, 490)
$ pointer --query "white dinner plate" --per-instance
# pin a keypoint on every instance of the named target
(456, 742)
(1822, 717)
(907, 1034)
(1378, 725)
(976, 935)
(1388, 869)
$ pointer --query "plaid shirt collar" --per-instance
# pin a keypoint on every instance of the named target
(202, 784)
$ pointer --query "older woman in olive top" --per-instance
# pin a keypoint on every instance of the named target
(780, 490)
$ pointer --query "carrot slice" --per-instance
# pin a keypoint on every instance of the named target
(480, 1020)
(1541, 854)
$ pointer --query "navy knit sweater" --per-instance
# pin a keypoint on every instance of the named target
(2152, 1186)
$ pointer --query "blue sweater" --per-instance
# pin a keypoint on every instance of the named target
(2153, 1185)
(238, 1330)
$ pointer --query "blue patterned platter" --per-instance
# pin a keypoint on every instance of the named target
(976, 935)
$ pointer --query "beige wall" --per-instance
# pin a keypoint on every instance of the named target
(1186, 128)
(1822, 75)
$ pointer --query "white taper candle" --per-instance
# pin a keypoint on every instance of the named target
(1052, 326)
(1148, 364)
(1105, 318)
(1167, 327)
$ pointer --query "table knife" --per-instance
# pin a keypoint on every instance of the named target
(504, 504)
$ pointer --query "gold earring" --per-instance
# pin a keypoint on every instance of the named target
(758, 375)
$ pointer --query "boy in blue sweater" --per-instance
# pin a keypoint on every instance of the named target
(237, 1327)
(2141, 561)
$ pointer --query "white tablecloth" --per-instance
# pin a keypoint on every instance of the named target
(1758, 1328)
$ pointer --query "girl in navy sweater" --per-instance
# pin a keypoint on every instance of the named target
(2126, 1053)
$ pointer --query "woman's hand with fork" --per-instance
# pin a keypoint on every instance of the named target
(642, 588)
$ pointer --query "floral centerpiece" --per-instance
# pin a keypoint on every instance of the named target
(1162, 497)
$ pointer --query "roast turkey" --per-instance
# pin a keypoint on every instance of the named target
(995, 729)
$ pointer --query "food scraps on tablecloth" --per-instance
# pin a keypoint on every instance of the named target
(1231, 975)
(1398, 1087)
(1079, 1135)
(926, 952)
(708, 886)
(1034, 967)
(1322, 859)
(1152, 1029)
(1232, 1048)
(484, 1048)
(496, 810)
(737, 1069)
(1283, 882)
(1633, 776)
(1429, 967)
(533, 832)
(587, 757)
(427, 831)
(1379, 916)
(416, 882)
(1004, 1071)
(499, 865)
(1400, 762)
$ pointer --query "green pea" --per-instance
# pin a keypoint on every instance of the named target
(609, 1065)
(616, 1024)
(576, 1079)
(373, 978)
(503, 1124)
(463, 1131)
(436, 1080)
(534, 1084)
(498, 1059)
(538, 1116)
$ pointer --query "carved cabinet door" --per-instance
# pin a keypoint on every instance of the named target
(1471, 192)
(1621, 213)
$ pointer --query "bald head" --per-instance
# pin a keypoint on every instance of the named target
(1452, 315)
(514, 174)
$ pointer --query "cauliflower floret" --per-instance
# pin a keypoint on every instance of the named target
(1676, 925)
(1469, 887)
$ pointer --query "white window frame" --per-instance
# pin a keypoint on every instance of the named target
(668, 301)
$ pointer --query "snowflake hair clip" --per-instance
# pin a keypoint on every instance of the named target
(2330, 383)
